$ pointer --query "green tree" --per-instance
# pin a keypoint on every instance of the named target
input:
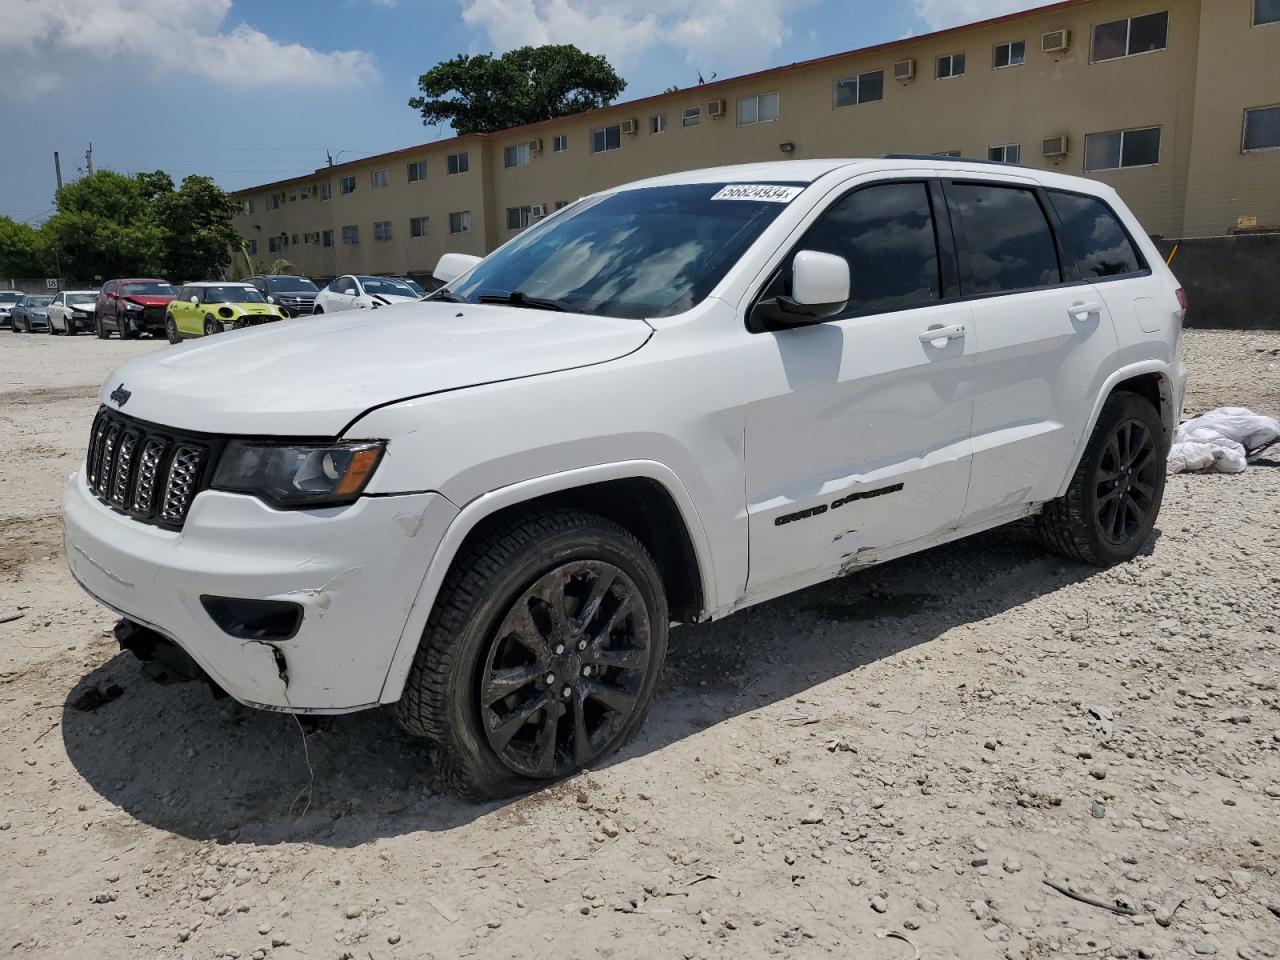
(195, 220)
(105, 227)
(24, 250)
(484, 93)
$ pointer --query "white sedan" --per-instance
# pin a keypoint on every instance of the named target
(72, 311)
(363, 293)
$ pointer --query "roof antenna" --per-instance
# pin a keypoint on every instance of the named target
(329, 154)
(709, 79)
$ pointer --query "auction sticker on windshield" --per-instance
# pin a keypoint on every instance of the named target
(769, 192)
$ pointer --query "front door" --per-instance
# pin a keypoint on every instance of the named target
(858, 427)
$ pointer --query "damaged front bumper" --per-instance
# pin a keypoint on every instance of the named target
(354, 571)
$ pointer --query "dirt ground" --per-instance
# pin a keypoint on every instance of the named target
(890, 763)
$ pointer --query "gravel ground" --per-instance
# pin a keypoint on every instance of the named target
(892, 762)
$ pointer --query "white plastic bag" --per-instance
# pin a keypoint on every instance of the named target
(1220, 440)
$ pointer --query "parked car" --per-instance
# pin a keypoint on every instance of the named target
(31, 313)
(8, 300)
(132, 307)
(354, 292)
(295, 296)
(72, 311)
(413, 285)
(203, 309)
(777, 374)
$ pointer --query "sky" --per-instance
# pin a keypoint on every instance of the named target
(249, 91)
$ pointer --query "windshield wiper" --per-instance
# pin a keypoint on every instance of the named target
(446, 296)
(517, 299)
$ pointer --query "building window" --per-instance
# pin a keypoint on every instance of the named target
(1122, 148)
(1128, 38)
(246, 206)
(273, 201)
(658, 123)
(1010, 54)
(1266, 11)
(378, 179)
(1009, 153)
(1262, 128)
(518, 217)
(561, 204)
(460, 222)
(351, 235)
(295, 240)
(306, 192)
(275, 244)
(516, 156)
(417, 171)
(691, 117)
(459, 163)
(326, 238)
(326, 191)
(952, 65)
(382, 230)
(348, 185)
(864, 88)
(418, 226)
(252, 247)
(762, 108)
(561, 143)
(606, 138)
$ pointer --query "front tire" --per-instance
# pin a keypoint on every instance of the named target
(541, 654)
(171, 329)
(126, 328)
(317, 310)
(100, 327)
(1110, 508)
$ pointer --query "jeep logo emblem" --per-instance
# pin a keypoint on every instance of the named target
(120, 395)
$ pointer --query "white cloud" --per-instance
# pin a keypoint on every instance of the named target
(174, 36)
(940, 14)
(727, 36)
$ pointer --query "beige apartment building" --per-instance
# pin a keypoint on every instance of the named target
(1175, 103)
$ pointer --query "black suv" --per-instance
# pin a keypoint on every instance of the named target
(295, 296)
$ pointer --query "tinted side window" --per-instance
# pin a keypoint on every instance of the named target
(886, 234)
(1093, 237)
(1007, 238)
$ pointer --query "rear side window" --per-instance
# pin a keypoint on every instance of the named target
(1093, 238)
(1006, 237)
(886, 233)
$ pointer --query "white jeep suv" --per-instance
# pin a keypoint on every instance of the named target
(664, 403)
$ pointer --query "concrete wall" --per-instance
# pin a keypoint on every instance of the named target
(1195, 91)
(1232, 282)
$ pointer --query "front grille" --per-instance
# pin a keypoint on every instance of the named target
(147, 471)
(153, 315)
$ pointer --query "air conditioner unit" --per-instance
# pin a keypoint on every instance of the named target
(904, 70)
(538, 210)
(535, 146)
(715, 108)
(1054, 146)
(1056, 41)
(629, 127)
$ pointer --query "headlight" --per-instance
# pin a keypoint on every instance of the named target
(298, 475)
(130, 305)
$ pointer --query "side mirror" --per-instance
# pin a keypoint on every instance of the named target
(819, 289)
(453, 265)
(195, 301)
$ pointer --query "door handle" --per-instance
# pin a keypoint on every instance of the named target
(938, 336)
(1081, 311)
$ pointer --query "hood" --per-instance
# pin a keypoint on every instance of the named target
(312, 378)
(147, 299)
(390, 298)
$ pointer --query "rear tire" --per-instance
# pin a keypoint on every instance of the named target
(562, 693)
(211, 327)
(1110, 508)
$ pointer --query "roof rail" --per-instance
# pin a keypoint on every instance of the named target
(934, 158)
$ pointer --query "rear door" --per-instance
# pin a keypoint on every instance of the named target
(858, 427)
(1043, 342)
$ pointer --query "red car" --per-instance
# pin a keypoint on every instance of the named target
(131, 307)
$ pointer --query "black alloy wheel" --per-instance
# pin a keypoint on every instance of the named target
(1125, 484)
(565, 671)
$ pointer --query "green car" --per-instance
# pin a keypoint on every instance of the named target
(202, 309)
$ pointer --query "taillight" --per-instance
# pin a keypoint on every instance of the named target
(1182, 302)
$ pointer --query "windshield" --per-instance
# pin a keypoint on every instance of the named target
(39, 301)
(10, 297)
(232, 295)
(414, 286)
(650, 252)
(74, 298)
(146, 289)
(387, 287)
(288, 284)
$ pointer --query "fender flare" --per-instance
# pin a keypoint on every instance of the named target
(514, 494)
(1128, 372)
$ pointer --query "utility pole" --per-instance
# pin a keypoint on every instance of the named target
(88, 159)
(57, 168)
